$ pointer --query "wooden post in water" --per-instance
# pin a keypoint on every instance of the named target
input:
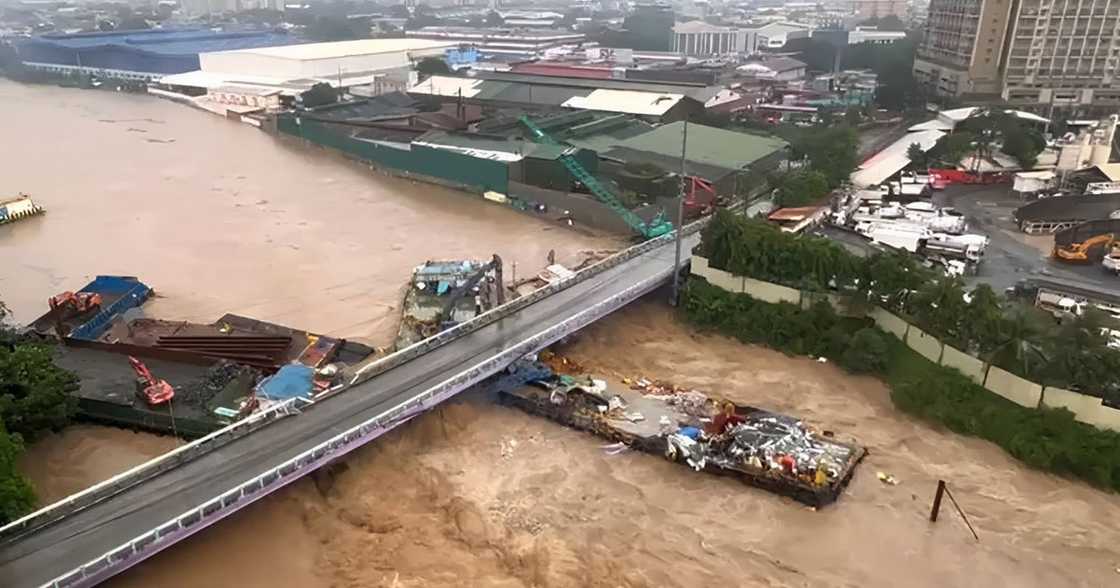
(937, 501)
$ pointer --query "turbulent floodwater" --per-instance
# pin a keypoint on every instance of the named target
(220, 217)
(476, 494)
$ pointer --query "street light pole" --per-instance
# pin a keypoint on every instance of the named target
(675, 299)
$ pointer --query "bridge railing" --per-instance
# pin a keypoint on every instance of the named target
(516, 305)
(230, 501)
(146, 470)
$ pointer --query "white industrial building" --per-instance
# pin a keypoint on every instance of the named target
(295, 68)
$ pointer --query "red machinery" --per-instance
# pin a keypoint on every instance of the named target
(81, 302)
(148, 387)
(694, 206)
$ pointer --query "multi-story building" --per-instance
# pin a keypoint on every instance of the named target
(703, 39)
(962, 47)
(865, 9)
(1064, 54)
(1027, 52)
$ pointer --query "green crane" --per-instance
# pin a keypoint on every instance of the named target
(655, 228)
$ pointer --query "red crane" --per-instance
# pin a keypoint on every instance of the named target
(152, 390)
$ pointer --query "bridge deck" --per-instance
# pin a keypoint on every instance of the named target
(58, 548)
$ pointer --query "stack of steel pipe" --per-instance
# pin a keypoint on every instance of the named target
(266, 352)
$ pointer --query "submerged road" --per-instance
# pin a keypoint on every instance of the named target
(58, 548)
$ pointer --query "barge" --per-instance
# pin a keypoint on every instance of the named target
(442, 294)
(775, 452)
(20, 207)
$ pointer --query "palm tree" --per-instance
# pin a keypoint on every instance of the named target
(1021, 349)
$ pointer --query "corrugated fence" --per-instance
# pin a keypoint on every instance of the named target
(1086, 409)
(445, 167)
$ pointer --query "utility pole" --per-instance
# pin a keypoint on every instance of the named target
(675, 299)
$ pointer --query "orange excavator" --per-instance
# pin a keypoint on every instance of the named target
(81, 301)
(154, 391)
(1080, 252)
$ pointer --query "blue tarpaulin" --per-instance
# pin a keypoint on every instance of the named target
(291, 381)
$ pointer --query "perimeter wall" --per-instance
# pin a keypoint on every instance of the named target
(1087, 409)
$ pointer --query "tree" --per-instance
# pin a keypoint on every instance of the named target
(982, 320)
(1021, 349)
(801, 187)
(951, 149)
(941, 307)
(16, 495)
(832, 152)
(33, 391)
(915, 154)
(1018, 143)
(430, 66)
(320, 94)
(494, 19)
(867, 352)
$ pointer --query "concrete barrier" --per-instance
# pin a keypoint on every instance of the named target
(772, 293)
(964, 363)
(1086, 409)
(889, 323)
(699, 265)
(1012, 387)
(925, 344)
(725, 280)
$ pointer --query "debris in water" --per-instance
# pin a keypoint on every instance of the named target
(615, 448)
(887, 478)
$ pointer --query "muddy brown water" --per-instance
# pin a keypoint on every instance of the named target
(480, 495)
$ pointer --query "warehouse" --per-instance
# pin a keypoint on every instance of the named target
(715, 155)
(386, 63)
(136, 55)
(650, 101)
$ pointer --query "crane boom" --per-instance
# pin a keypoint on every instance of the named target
(655, 228)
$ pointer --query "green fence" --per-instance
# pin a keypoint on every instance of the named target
(448, 166)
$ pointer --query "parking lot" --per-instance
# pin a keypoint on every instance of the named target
(1012, 256)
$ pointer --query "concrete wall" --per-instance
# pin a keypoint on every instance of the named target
(772, 293)
(1023, 392)
(925, 344)
(584, 209)
(889, 323)
(1086, 409)
(725, 280)
(964, 363)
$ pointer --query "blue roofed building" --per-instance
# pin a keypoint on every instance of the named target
(138, 55)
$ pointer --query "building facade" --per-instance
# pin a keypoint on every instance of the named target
(1031, 53)
(1064, 53)
(962, 47)
(699, 38)
(865, 9)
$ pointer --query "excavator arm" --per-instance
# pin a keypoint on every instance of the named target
(458, 293)
(655, 228)
(1079, 252)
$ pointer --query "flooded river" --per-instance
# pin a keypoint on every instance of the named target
(220, 217)
(476, 494)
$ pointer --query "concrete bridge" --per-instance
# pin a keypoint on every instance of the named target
(93, 535)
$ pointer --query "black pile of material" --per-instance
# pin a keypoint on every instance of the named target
(220, 375)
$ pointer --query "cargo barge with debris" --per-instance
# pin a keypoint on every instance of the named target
(767, 450)
(442, 294)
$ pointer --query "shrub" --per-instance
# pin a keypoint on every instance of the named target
(867, 352)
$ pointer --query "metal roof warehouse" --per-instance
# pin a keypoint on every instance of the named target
(143, 54)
